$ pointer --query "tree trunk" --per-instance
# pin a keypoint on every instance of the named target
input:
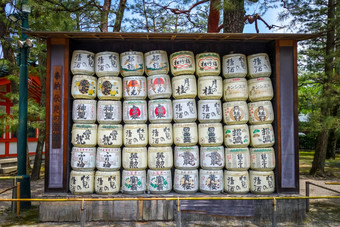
(233, 16)
(331, 146)
(119, 16)
(38, 156)
(104, 16)
(318, 165)
(214, 16)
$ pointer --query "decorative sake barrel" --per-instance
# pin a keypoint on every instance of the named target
(84, 87)
(186, 157)
(107, 183)
(160, 135)
(261, 112)
(109, 112)
(208, 64)
(159, 181)
(135, 158)
(235, 89)
(84, 135)
(209, 111)
(159, 86)
(184, 110)
(109, 88)
(134, 182)
(84, 111)
(184, 87)
(82, 62)
(210, 134)
(182, 62)
(83, 159)
(262, 159)
(211, 181)
(262, 182)
(135, 135)
(260, 89)
(132, 63)
(235, 66)
(236, 182)
(110, 135)
(107, 64)
(259, 65)
(236, 135)
(108, 159)
(261, 135)
(210, 87)
(235, 112)
(160, 158)
(160, 111)
(186, 181)
(134, 87)
(135, 111)
(237, 159)
(185, 134)
(212, 158)
(81, 182)
(156, 62)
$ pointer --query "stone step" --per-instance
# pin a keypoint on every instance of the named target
(7, 170)
(9, 162)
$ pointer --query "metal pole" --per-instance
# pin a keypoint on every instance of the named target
(307, 194)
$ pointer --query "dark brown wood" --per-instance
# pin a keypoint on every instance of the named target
(278, 116)
(48, 92)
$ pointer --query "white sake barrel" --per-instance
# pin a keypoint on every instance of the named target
(184, 87)
(135, 135)
(236, 182)
(186, 181)
(212, 158)
(132, 63)
(237, 159)
(81, 182)
(159, 86)
(107, 183)
(84, 87)
(135, 111)
(260, 89)
(235, 66)
(262, 182)
(84, 111)
(160, 135)
(209, 111)
(208, 64)
(110, 135)
(210, 134)
(261, 112)
(235, 89)
(211, 181)
(134, 87)
(160, 158)
(83, 159)
(135, 158)
(186, 157)
(84, 135)
(109, 112)
(259, 65)
(184, 110)
(210, 87)
(262, 159)
(159, 181)
(109, 87)
(185, 134)
(108, 159)
(156, 62)
(261, 135)
(160, 111)
(107, 64)
(236, 135)
(82, 62)
(235, 112)
(134, 182)
(182, 62)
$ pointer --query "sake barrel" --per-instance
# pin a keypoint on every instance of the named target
(160, 158)
(236, 182)
(186, 181)
(84, 87)
(184, 110)
(259, 65)
(212, 158)
(135, 158)
(209, 111)
(210, 134)
(108, 159)
(208, 64)
(110, 88)
(135, 111)
(182, 62)
(156, 62)
(84, 135)
(107, 183)
(81, 182)
(235, 66)
(186, 157)
(261, 135)
(159, 86)
(210, 87)
(83, 159)
(109, 112)
(235, 112)
(237, 159)
(160, 111)
(135, 135)
(262, 182)
(185, 134)
(159, 181)
(134, 182)
(134, 87)
(132, 63)
(261, 112)
(262, 159)
(184, 87)
(236, 135)
(107, 64)
(84, 111)
(110, 135)
(82, 62)
(235, 89)
(160, 135)
(211, 181)
(260, 89)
